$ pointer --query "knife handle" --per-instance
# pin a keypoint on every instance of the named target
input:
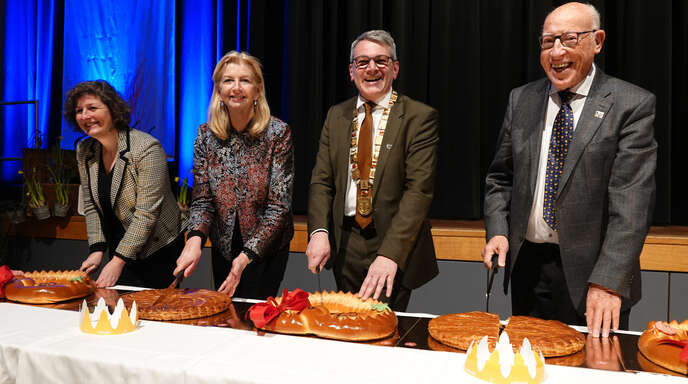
(495, 266)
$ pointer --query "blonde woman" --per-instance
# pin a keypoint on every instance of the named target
(243, 183)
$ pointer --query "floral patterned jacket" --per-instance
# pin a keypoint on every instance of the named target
(246, 179)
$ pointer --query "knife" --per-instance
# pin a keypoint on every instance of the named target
(177, 280)
(492, 273)
(317, 274)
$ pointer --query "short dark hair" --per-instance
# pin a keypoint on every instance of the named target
(120, 111)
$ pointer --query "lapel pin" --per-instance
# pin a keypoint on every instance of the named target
(599, 114)
(389, 146)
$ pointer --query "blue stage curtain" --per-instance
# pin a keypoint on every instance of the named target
(198, 25)
(130, 44)
(158, 55)
(27, 56)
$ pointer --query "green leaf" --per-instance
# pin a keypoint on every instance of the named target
(380, 307)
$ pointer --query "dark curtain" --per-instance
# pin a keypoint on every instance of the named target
(463, 58)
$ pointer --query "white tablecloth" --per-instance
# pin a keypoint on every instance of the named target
(42, 345)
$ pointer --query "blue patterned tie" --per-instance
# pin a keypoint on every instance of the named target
(562, 134)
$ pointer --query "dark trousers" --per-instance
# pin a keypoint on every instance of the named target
(539, 289)
(357, 251)
(260, 279)
(155, 271)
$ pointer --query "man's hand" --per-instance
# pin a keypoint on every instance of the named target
(318, 250)
(92, 262)
(498, 244)
(238, 264)
(380, 273)
(602, 310)
(110, 273)
(191, 255)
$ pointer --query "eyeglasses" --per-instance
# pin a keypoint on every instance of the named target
(381, 61)
(567, 39)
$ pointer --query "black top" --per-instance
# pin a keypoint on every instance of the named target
(112, 227)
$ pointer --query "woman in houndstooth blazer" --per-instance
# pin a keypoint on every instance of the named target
(243, 183)
(128, 201)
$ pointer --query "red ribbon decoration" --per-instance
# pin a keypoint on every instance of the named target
(680, 343)
(5, 276)
(263, 313)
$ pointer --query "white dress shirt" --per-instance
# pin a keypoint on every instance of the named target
(350, 202)
(538, 230)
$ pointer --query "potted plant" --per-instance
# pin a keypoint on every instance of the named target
(59, 178)
(183, 198)
(61, 207)
(36, 198)
(16, 212)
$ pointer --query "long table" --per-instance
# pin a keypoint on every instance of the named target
(45, 345)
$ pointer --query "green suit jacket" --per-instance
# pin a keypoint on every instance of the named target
(403, 188)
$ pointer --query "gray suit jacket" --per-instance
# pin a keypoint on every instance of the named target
(606, 192)
(141, 195)
(403, 188)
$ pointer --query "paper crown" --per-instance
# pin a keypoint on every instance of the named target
(502, 365)
(101, 322)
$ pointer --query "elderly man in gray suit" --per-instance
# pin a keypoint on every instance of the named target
(570, 192)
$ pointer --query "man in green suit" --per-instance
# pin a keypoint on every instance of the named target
(373, 183)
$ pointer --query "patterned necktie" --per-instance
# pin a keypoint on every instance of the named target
(365, 148)
(562, 134)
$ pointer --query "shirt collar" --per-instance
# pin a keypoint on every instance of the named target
(384, 101)
(582, 88)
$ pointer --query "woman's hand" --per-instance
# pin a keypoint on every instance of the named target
(238, 264)
(110, 273)
(191, 255)
(92, 262)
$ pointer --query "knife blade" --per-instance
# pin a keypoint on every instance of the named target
(177, 280)
(317, 274)
(490, 280)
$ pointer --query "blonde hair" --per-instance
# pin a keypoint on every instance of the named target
(218, 116)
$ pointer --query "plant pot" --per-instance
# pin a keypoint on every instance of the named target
(183, 213)
(42, 212)
(61, 210)
(18, 215)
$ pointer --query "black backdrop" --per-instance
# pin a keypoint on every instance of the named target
(463, 57)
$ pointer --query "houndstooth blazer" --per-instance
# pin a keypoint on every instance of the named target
(141, 195)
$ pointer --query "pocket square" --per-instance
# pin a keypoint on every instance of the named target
(599, 114)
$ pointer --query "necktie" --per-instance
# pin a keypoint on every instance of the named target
(364, 189)
(562, 134)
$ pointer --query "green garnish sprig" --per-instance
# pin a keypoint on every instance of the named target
(380, 307)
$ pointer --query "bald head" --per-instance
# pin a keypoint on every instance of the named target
(587, 11)
(568, 61)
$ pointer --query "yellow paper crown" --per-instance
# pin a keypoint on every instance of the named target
(502, 365)
(101, 322)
